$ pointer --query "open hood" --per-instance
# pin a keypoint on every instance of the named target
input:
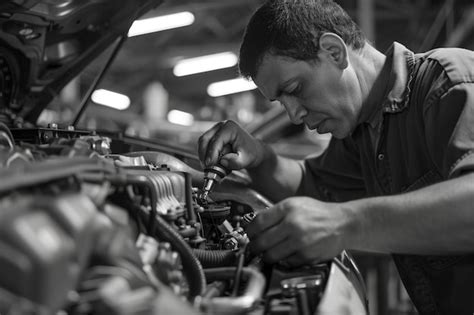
(44, 44)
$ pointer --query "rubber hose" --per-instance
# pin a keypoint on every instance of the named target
(191, 265)
(251, 294)
(215, 258)
(4, 128)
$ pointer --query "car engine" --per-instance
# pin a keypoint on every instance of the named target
(85, 231)
(94, 222)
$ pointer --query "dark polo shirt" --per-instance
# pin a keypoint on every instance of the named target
(420, 132)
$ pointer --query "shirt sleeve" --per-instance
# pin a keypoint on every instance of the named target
(335, 175)
(449, 130)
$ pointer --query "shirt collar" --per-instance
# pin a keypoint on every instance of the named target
(403, 63)
(398, 71)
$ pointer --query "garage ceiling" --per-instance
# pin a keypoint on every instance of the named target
(219, 26)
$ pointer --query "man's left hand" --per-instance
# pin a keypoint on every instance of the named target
(301, 230)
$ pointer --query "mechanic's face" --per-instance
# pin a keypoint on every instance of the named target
(322, 94)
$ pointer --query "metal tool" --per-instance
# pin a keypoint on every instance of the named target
(212, 175)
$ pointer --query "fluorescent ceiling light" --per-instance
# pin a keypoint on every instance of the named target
(161, 23)
(111, 99)
(180, 118)
(230, 86)
(205, 63)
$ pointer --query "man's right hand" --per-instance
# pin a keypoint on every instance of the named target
(231, 146)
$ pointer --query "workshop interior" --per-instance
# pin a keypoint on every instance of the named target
(104, 205)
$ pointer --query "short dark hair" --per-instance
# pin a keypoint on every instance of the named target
(292, 28)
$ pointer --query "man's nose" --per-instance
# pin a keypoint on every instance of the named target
(295, 111)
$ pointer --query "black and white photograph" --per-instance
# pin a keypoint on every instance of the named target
(236, 157)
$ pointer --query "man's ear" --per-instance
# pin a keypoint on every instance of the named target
(334, 47)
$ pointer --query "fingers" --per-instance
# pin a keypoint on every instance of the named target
(270, 235)
(228, 144)
(204, 140)
(292, 253)
(288, 233)
(280, 251)
(217, 141)
(305, 255)
(215, 147)
(268, 239)
(265, 220)
(286, 249)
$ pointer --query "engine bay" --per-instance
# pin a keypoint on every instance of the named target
(88, 231)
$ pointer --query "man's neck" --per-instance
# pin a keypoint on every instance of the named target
(369, 63)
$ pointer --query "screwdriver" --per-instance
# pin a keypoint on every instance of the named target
(214, 174)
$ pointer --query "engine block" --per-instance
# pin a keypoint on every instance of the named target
(85, 231)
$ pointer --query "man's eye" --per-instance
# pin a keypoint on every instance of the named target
(295, 91)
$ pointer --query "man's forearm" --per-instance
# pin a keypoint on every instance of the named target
(438, 219)
(276, 177)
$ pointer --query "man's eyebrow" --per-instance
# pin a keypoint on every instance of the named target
(281, 87)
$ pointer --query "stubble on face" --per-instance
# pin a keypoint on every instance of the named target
(326, 92)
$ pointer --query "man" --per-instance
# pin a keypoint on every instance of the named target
(397, 176)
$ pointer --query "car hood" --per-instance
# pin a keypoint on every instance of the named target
(44, 44)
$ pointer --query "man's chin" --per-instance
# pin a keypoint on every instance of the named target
(338, 134)
(323, 132)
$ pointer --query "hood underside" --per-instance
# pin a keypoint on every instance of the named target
(44, 44)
